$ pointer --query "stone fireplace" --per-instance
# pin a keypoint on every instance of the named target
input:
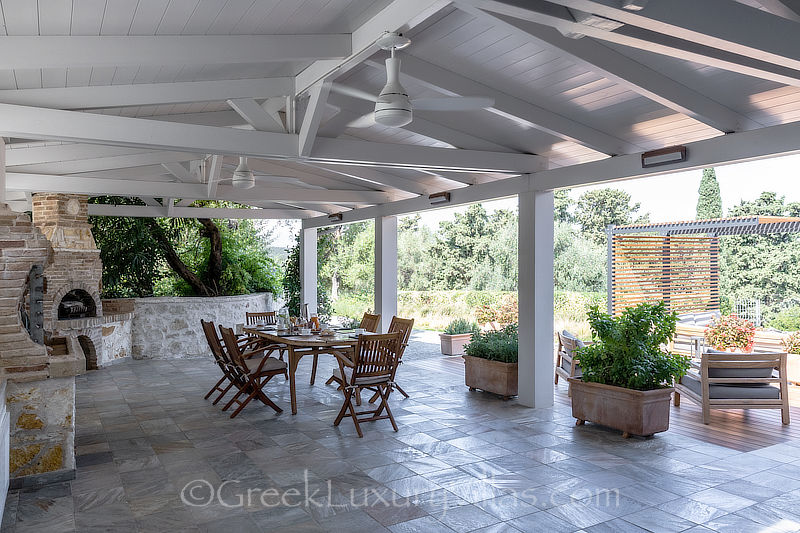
(72, 305)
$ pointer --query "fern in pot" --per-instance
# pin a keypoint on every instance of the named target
(627, 373)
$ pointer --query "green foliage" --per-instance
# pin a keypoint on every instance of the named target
(562, 203)
(709, 202)
(504, 312)
(786, 319)
(763, 267)
(500, 345)
(731, 331)
(599, 208)
(291, 283)
(792, 342)
(579, 264)
(460, 326)
(575, 305)
(627, 349)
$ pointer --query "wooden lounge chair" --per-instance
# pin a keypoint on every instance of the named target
(724, 380)
(567, 364)
(270, 317)
(373, 363)
(369, 323)
(256, 369)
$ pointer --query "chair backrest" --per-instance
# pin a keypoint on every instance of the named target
(213, 342)
(269, 316)
(567, 344)
(232, 348)
(375, 357)
(404, 327)
(370, 322)
(742, 367)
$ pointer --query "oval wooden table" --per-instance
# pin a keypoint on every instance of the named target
(298, 346)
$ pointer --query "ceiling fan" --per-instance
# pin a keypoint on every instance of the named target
(393, 107)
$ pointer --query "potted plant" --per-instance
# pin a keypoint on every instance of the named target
(456, 335)
(491, 362)
(792, 344)
(627, 376)
(731, 333)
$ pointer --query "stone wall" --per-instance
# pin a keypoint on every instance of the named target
(117, 339)
(170, 327)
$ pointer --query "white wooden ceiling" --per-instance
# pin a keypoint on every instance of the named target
(672, 73)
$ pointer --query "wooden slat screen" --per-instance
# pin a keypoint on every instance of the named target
(681, 270)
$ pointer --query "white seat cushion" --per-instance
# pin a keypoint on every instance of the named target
(271, 364)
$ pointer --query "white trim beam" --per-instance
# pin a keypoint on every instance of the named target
(635, 76)
(399, 15)
(196, 212)
(214, 172)
(140, 94)
(738, 147)
(255, 115)
(99, 186)
(508, 106)
(2, 170)
(318, 96)
(24, 52)
(376, 178)
(38, 123)
(788, 9)
(180, 172)
(79, 166)
(559, 18)
(721, 24)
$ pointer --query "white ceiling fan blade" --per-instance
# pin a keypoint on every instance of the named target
(453, 103)
(353, 92)
(364, 121)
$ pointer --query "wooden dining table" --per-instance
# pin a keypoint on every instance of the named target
(298, 346)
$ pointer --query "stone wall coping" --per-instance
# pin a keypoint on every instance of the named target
(194, 299)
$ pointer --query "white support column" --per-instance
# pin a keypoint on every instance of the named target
(386, 269)
(2, 171)
(536, 299)
(308, 268)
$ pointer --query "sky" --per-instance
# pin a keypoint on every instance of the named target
(668, 198)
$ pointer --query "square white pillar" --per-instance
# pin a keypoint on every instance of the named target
(535, 292)
(2, 170)
(386, 269)
(308, 269)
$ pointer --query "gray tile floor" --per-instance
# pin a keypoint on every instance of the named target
(154, 456)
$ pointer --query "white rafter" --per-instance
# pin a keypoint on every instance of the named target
(31, 122)
(451, 83)
(213, 174)
(377, 178)
(629, 73)
(180, 172)
(788, 9)
(197, 212)
(98, 96)
(318, 96)
(116, 51)
(255, 115)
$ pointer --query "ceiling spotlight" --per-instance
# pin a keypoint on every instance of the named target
(243, 177)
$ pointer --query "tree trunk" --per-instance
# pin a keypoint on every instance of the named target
(175, 262)
(214, 272)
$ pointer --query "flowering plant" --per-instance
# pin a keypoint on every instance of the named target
(792, 342)
(731, 332)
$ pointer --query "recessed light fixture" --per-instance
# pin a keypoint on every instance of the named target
(335, 217)
(439, 198)
(664, 156)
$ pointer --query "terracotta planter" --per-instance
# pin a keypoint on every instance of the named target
(793, 368)
(491, 376)
(454, 344)
(631, 411)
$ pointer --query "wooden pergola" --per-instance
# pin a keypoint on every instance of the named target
(677, 262)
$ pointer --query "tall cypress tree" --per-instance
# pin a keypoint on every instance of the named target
(709, 204)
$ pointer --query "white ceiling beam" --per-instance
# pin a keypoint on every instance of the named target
(170, 203)
(140, 94)
(318, 96)
(737, 147)
(77, 166)
(150, 201)
(315, 178)
(559, 18)
(95, 186)
(197, 212)
(38, 123)
(213, 174)
(171, 50)
(788, 9)
(184, 202)
(721, 24)
(255, 115)
(47, 152)
(180, 172)
(625, 71)
(399, 15)
(509, 106)
(377, 178)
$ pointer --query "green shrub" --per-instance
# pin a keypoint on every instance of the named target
(627, 349)
(500, 345)
(460, 326)
(787, 319)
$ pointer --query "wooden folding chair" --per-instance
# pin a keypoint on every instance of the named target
(256, 370)
(373, 364)
(567, 364)
(270, 317)
(368, 323)
(404, 327)
(229, 371)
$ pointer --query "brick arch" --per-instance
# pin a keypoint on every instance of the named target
(70, 286)
(89, 351)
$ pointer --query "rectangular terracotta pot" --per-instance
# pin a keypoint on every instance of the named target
(454, 344)
(631, 411)
(491, 376)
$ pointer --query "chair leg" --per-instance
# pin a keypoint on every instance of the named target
(342, 411)
(400, 390)
(354, 415)
(223, 393)
(331, 380)
(358, 397)
(676, 399)
(374, 397)
(706, 414)
(556, 379)
(314, 368)
(384, 393)
(215, 387)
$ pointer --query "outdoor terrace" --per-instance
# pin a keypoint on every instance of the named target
(461, 461)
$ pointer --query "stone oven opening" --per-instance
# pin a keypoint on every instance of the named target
(89, 352)
(77, 303)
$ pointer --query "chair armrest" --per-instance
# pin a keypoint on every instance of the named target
(254, 353)
(343, 359)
